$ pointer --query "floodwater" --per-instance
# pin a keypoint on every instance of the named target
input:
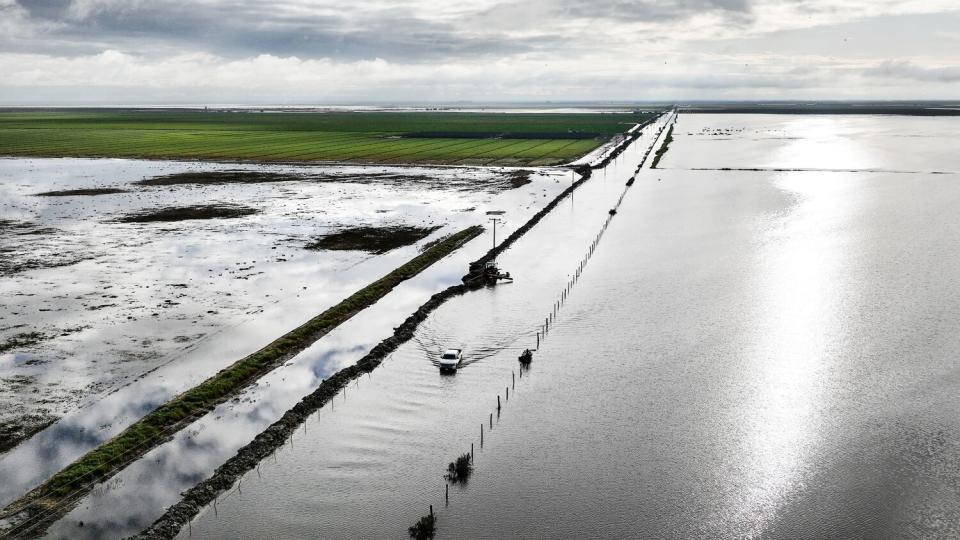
(138, 495)
(908, 144)
(748, 353)
(133, 313)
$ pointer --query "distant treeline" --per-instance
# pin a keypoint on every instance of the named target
(576, 135)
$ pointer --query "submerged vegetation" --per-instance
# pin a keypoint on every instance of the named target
(663, 148)
(81, 192)
(371, 239)
(424, 529)
(460, 470)
(14, 431)
(22, 340)
(369, 137)
(140, 437)
(218, 177)
(519, 178)
(183, 213)
(506, 179)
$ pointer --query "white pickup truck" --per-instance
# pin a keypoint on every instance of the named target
(450, 359)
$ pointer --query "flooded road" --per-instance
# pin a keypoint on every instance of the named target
(748, 353)
(406, 395)
(154, 308)
(137, 495)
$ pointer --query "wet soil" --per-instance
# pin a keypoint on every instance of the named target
(14, 226)
(19, 254)
(21, 340)
(11, 266)
(183, 213)
(81, 192)
(14, 431)
(376, 240)
(219, 177)
(508, 179)
(22, 228)
(519, 178)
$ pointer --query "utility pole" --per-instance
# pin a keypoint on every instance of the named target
(495, 221)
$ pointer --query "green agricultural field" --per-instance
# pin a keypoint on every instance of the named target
(364, 137)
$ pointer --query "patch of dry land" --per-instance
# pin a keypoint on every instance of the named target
(449, 138)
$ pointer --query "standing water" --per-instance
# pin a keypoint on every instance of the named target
(763, 352)
(127, 315)
(137, 495)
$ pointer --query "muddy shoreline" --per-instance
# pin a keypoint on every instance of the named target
(480, 164)
(15, 431)
(84, 192)
(172, 214)
(267, 442)
(377, 240)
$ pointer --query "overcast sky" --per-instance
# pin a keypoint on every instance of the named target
(320, 52)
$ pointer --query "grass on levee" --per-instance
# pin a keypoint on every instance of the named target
(150, 430)
(368, 137)
(663, 148)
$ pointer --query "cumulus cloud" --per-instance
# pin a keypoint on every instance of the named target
(311, 51)
(203, 77)
(656, 10)
(908, 70)
(246, 27)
